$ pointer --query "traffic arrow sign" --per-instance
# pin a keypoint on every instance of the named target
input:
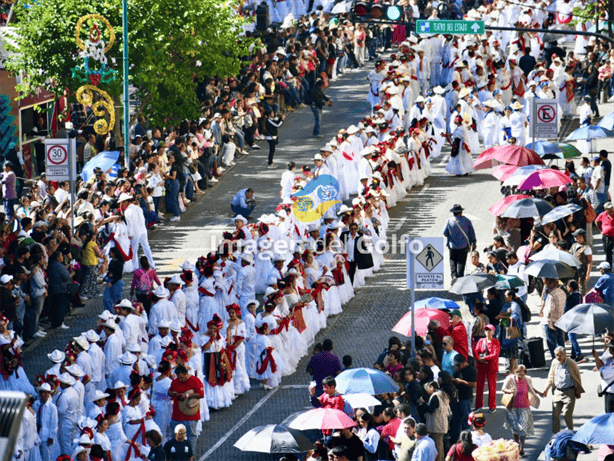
(450, 27)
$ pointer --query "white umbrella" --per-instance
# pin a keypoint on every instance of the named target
(341, 8)
(363, 400)
(557, 255)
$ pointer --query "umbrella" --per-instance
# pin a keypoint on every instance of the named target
(521, 174)
(341, 8)
(587, 319)
(560, 212)
(362, 400)
(104, 160)
(509, 281)
(557, 255)
(527, 208)
(546, 149)
(367, 380)
(274, 438)
(423, 317)
(590, 132)
(322, 418)
(544, 179)
(568, 150)
(598, 430)
(501, 205)
(473, 283)
(509, 154)
(550, 269)
(504, 172)
(607, 122)
(436, 303)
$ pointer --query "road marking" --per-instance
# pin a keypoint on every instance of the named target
(425, 188)
(400, 224)
(296, 386)
(446, 158)
(249, 414)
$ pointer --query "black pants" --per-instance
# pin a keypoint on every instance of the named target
(593, 102)
(608, 399)
(608, 247)
(352, 271)
(272, 144)
(59, 308)
(458, 260)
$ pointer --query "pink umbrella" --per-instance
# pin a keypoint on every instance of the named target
(498, 208)
(423, 317)
(322, 418)
(543, 179)
(502, 172)
(510, 155)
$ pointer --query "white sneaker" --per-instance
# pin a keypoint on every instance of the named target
(84, 298)
(213, 181)
(221, 170)
(256, 147)
(232, 164)
(174, 219)
(245, 152)
(39, 334)
(64, 327)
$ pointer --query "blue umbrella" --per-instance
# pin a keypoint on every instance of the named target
(560, 212)
(365, 380)
(546, 149)
(104, 160)
(607, 122)
(590, 132)
(599, 430)
(437, 303)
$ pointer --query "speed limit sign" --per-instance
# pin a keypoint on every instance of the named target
(57, 160)
(57, 155)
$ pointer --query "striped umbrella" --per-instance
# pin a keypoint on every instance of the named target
(569, 151)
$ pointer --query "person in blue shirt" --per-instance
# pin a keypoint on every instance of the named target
(460, 237)
(605, 284)
(425, 446)
(243, 203)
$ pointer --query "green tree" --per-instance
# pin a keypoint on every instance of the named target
(171, 46)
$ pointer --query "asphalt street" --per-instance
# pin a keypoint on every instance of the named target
(363, 329)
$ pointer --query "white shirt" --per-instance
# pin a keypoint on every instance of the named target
(130, 328)
(112, 351)
(135, 220)
(68, 406)
(180, 301)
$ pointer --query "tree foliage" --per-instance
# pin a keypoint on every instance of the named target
(171, 46)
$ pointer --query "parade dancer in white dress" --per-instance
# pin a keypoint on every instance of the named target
(269, 364)
(460, 163)
(236, 335)
(219, 388)
(161, 400)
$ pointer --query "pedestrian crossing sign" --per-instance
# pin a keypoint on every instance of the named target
(429, 257)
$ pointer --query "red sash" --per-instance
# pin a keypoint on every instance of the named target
(298, 320)
(560, 20)
(264, 362)
(127, 257)
(519, 89)
(347, 156)
(195, 329)
(205, 292)
(508, 85)
(133, 444)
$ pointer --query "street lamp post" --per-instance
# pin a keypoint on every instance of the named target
(126, 84)
(68, 126)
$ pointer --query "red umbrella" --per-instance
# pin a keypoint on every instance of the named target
(423, 317)
(543, 179)
(322, 418)
(498, 208)
(510, 155)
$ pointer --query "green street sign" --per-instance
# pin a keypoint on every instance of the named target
(450, 27)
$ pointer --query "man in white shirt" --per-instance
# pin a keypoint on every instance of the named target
(178, 297)
(598, 183)
(112, 347)
(246, 282)
(47, 421)
(130, 325)
(137, 231)
(161, 311)
(62, 193)
(68, 407)
(98, 360)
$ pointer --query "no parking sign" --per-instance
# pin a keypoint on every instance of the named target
(544, 119)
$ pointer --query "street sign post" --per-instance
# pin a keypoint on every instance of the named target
(544, 119)
(424, 258)
(450, 27)
(57, 159)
